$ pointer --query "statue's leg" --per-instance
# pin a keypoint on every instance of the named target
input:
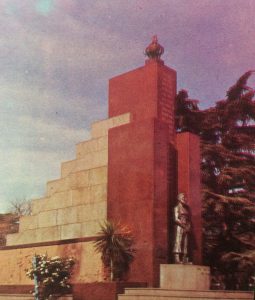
(177, 258)
(178, 244)
(185, 247)
(177, 250)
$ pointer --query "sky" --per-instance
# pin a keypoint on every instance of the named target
(56, 57)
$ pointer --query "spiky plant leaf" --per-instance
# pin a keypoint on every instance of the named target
(115, 243)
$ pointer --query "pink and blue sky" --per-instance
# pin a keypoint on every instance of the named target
(56, 57)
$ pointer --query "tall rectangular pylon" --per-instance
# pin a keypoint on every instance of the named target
(140, 165)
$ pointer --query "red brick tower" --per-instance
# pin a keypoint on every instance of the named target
(142, 162)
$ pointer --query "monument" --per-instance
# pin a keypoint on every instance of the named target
(131, 171)
(149, 164)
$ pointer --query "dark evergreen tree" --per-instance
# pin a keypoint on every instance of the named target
(227, 133)
(186, 112)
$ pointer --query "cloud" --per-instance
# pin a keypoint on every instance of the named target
(56, 57)
(31, 152)
(25, 173)
(44, 7)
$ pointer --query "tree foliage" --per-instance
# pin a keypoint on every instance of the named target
(187, 112)
(227, 133)
(115, 243)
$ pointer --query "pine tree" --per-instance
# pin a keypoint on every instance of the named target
(187, 113)
(227, 133)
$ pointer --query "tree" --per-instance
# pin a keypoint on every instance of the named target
(227, 133)
(186, 112)
(20, 207)
(115, 243)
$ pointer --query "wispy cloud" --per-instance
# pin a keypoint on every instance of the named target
(31, 152)
(56, 57)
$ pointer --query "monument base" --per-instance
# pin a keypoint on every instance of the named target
(163, 294)
(184, 277)
(183, 282)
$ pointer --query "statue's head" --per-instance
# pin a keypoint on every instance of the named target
(182, 198)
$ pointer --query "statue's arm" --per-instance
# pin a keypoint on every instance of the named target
(188, 224)
(177, 220)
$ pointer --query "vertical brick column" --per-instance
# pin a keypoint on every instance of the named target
(188, 148)
(140, 164)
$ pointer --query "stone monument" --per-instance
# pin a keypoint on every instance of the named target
(131, 171)
(149, 164)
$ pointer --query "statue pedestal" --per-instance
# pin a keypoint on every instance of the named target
(184, 282)
(184, 277)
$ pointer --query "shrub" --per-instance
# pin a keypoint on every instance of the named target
(51, 275)
(115, 243)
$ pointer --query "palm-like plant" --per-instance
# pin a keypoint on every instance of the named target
(115, 243)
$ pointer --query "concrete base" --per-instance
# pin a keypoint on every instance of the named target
(164, 294)
(27, 297)
(84, 291)
(183, 282)
(184, 277)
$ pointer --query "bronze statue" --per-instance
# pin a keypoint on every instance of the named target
(182, 228)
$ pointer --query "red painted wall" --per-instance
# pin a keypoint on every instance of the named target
(139, 165)
(102, 290)
(138, 191)
(146, 92)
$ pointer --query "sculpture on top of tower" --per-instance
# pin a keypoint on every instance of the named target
(154, 50)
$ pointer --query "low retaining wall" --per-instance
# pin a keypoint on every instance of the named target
(16, 259)
(81, 291)
(102, 290)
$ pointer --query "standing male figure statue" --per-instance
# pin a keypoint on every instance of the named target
(182, 228)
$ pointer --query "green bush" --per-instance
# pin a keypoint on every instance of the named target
(51, 275)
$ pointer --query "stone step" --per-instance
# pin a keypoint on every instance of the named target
(15, 297)
(164, 294)
(90, 146)
(27, 297)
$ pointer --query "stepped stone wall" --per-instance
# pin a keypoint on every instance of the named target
(76, 203)
(66, 220)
